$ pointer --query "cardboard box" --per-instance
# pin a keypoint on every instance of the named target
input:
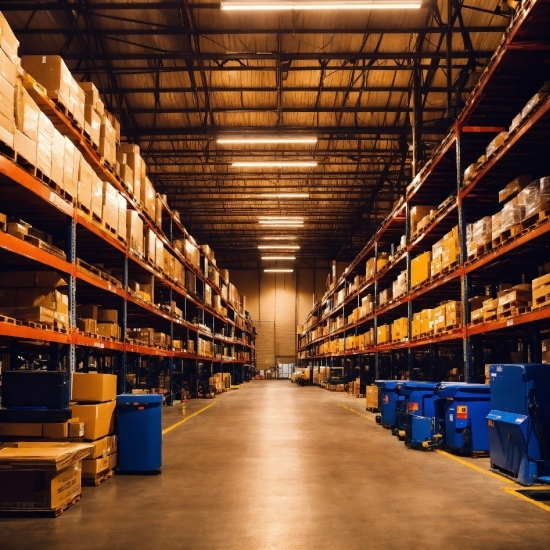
(94, 387)
(88, 311)
(62, 430)
(99, 419)
(112, 461)
(94, 466)
(87, 325)
(43, 297)
(40, 490)
(416, 214)
(540, 282)
(383, 334)
(107, 315)
(420, 268)
(21, 429)
(372, 397)
(36, 314)
(415, 328)
(109, 330)
(103, 447)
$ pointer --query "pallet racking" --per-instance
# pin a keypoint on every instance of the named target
(83, 242)
(517, 71)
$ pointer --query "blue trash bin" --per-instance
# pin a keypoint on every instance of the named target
(519, 422)
(139, 430)
(463, 417)
(389, 401)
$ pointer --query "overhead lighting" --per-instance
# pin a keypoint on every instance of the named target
(265, 139)
(285, 195)
(320, 5)
(279, 247)
(281, 223)
(278, 270)
(282, 218)
(278, 257)
(280, 238)
(275, 164)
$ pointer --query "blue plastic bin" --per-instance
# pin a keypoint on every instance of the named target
(519, 422)
(139, 430)
(463, 413)
(389, 401)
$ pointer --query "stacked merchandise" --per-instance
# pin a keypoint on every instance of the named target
(445, 252)
(34, 296)
(420, 217)
(400, 330)
(8, 68)
(420, 269)
(399, 287)
(94, 395)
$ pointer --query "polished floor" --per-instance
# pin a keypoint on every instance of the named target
(277, 466)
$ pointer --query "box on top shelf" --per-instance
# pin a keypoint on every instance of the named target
(8, 42)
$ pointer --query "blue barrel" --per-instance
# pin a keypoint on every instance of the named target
(139, 430)
(519, 422)
(389, 401)
(463, 413)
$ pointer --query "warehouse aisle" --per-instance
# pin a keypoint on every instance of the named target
(276, 466)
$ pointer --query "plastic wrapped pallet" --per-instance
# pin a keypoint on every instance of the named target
(496, 225)
(512, 214)
(497, 143)
(481, 234)
(97, 197)
(85, 183)
(533, 103)
(134, 232)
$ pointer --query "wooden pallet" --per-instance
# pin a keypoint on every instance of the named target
(480, 251)
(9, 320)
(490, 318)
(98, 479)
(507, 235)
(47, 247)
(88, 267)
(33, 324)
(84, 208)
(447, 269)
(512, 312)
(38, 512)
(105, 163)
(110, 229)
(542, 301)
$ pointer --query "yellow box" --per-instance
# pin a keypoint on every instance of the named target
(420, 268)
(99, 419)
(439, 318)
(94, 387)
(92, 467)
(415, 327)
(416, 214)
(383, 334)
(21, 429)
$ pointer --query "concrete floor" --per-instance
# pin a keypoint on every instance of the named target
(277, 466)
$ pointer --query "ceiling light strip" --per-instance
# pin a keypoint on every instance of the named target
(275, 164)
(279, 247)
(255, 5)
(267, 139)
(278, 270)
(276, 258)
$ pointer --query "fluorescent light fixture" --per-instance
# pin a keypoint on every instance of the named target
(268, 223)
(282, 218)
(279, 247)
(319, 5)
(278, 270)
(284, 195)
(275, 164)
(229, 140)
(278, 257)
(280, 238)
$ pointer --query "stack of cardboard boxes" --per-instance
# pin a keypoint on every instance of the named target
(34, 296)
(94, 395)
(100, 321)
(445, 252)
(419, 217)
(9, 61)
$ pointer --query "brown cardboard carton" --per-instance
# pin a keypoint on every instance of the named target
(87, 325)
(416, 214)
(92, 467)
(44, 297)
(109, 330)
(88, 311)
(107, 315)
(99, 419)
(21, 429)
(94, 387)
(40, 490)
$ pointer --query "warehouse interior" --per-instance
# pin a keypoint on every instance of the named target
(291, 255)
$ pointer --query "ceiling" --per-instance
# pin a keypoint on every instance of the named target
(372, 86)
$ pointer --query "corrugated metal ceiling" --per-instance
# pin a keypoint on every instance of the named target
(179, 74)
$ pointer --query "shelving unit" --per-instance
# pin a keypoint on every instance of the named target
(515, 74)
(86, 243)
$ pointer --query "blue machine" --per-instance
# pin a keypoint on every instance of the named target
(463, 409)
(519, 422)
(416, 413)
(389, 401)
(139, 429)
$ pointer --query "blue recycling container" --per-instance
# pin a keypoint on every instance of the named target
(463, 412)
(139, 430)
(416, 412)
(518, 423)
(389, 401)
